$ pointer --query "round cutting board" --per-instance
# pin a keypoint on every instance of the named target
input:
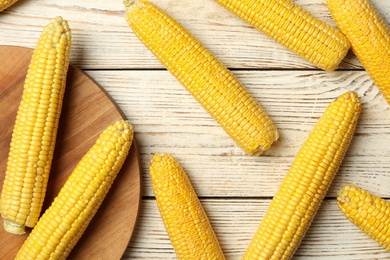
(87, 111)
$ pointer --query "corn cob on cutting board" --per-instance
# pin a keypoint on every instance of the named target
(87, 111)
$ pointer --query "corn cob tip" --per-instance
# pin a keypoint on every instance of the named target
(344, 194)
(128, 4)
(351, 95)
(58, 19)
(60, 22)
(14, 228)
(59, 25)
(128, 122)
(123, 124)
(262, 148)
(157, 157)
(160, 154)
(341, 198)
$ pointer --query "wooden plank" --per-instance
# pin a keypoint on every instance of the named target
(331, 236)
(167, 118)
(235, 188)
(102, 38)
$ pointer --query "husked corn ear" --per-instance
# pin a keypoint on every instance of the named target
(303, 188)
(64, 222)
(185, 220)
(369, 35)
(35, 130)
(4, 4)
(368, 212)
(205, 77)
(295, 28)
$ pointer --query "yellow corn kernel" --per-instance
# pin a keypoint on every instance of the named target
(185, 220)
(205, 77)
(295, 28)
(368, 212)
(35, 130)
(369, 35)
(303, 188)
(63, 223)
(4, 4)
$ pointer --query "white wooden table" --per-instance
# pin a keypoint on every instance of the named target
(234, 188)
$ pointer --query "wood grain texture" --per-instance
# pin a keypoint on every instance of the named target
(87, 111)
(331, 236)
(102, 38)
(234, 188)
(174, 122)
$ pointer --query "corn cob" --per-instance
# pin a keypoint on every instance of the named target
(369, 36)
(64, 222)
(4, 4)
(303, 188)
(295, 28)
(185, 220)
(35, 130)
(367, 211)
(205, 77)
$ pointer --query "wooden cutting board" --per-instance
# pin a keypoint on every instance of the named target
(87, 111)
